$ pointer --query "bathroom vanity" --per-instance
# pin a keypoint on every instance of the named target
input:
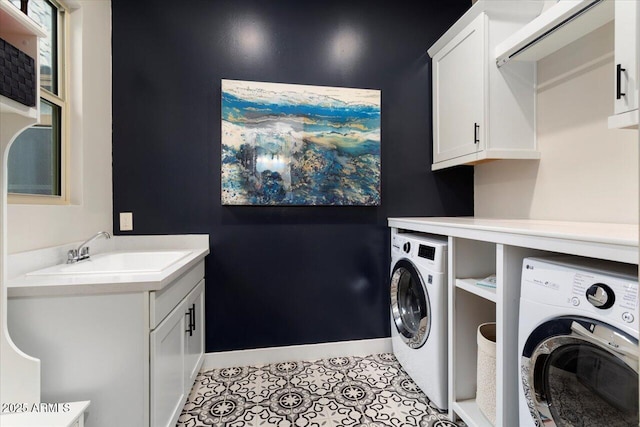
(130, 340)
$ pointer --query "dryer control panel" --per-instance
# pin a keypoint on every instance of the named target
(607, 289)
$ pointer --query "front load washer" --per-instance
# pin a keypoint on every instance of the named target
(578, 343)
(419, 310)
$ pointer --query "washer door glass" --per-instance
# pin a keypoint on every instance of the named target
(588, 386)
(581, 372)
(410, 304)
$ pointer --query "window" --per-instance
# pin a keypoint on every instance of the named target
(37, 157)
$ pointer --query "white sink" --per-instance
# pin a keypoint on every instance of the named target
(117, 263)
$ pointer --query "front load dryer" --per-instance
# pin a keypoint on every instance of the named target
(578, 343)
(419, 310)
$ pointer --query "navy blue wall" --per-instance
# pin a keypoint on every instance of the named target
(276, 275)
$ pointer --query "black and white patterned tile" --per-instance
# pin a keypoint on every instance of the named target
(372, 391)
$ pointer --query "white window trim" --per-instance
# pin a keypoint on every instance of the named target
(63, 102)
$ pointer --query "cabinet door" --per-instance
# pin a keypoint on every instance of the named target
(458, 93)
(626, 49)
(167, 368)
(194, 342)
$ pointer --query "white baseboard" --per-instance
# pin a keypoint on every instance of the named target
(261, 356)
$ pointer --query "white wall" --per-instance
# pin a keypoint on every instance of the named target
(587, 172)
(39, 226)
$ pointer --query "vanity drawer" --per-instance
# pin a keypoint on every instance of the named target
(162, 302)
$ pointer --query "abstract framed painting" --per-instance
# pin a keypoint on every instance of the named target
(299, 145)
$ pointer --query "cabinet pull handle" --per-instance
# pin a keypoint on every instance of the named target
(188, 313)
(619, 70)
(476, 137)
(193, 313)
(191, 325)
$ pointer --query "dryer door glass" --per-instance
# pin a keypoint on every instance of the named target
(410, 305)
(589, 386)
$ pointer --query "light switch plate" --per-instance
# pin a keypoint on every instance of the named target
(126, 221)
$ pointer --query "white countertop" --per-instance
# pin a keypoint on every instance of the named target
(22, 285)
(617, 242)
(66, 414)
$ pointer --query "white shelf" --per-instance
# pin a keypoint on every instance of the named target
(555, 28)
(470, 413)
(8, 105)
(628, 120)
(470, 285)
(488, 154)
(13, 21)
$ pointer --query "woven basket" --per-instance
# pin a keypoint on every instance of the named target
(486, 391)
(17, 74)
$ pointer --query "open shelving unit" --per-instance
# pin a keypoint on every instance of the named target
(23, 33)
(469, 306)
(20, 381)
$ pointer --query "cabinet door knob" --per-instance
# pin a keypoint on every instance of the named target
(476, 137)
(619, 70)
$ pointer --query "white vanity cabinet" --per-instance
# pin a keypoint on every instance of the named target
(134, 354)
(194, 335)
(177, 351)
(481, 112)
(625, 62)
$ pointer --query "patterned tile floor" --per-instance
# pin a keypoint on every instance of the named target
(353, 391)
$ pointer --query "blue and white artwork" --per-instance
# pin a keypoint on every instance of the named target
(285, 144)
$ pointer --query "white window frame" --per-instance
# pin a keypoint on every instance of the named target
(62, 101)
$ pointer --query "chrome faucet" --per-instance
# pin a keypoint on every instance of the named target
(82, 252)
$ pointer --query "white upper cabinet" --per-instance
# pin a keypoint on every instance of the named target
(458, 94)
(482, 112)
(626, 73)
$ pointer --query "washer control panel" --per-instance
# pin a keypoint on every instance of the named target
(426, 250)
(591, 286)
